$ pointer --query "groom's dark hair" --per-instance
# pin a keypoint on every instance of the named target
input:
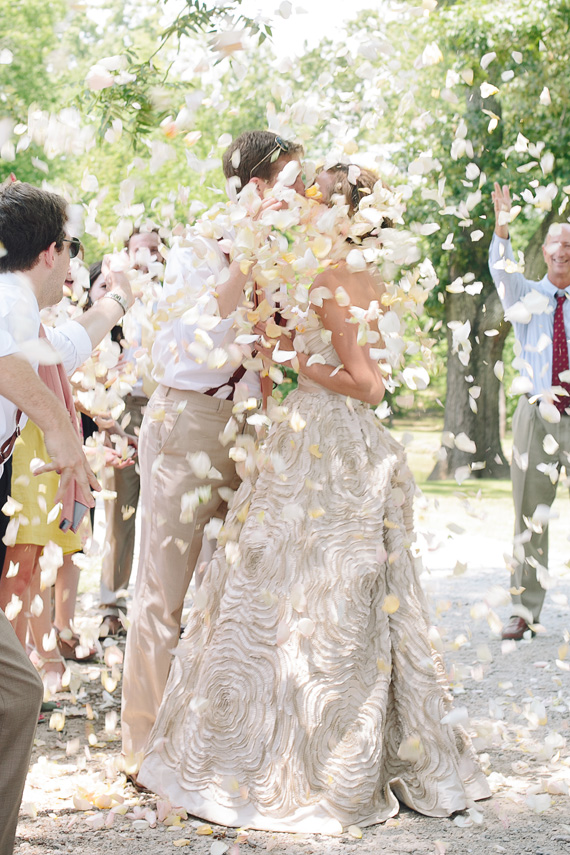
(253, 155)
(30, 221)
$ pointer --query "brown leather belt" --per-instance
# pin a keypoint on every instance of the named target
(240, 371)
(232, 382)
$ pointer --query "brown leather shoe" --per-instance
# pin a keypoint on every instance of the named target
(111, 627)
(515, 629)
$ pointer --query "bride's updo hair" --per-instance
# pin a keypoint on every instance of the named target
(353, 193)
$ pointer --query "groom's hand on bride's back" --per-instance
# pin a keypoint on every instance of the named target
(270, 335)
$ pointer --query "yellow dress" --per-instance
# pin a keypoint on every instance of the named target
(36, 494)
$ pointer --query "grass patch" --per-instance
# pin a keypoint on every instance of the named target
(481, 507)
(421, 435)
(475, 489)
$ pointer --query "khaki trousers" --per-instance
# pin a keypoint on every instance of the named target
(175, 425)
(120, 533)
(532, 487)
(21, 693)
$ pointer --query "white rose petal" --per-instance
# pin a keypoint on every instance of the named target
(289, 173)
(13, 570)
(463, 443)
(521, 386)
(487, 59)
(50, 561)
(306, 627)
(487, 89)
(13, 608)
(98, 78)
(539, 803)
(297, 422)
(462, 473)
(283, 634)
(543, 514)
(518, 313)
(200, 464)
(549, 444)
(459, 715)
(549, 412)
(37, 606)
(356, 261)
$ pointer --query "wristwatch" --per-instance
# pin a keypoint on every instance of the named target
(118, 298)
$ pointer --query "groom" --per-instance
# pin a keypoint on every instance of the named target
(185, 415)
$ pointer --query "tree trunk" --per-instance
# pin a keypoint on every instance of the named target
(484, 313)
(471, 436)
(472, 398)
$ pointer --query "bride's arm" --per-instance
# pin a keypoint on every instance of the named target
(360, 376)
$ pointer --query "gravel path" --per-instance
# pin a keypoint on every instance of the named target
(517, 696)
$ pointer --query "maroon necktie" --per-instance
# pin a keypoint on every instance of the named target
(560, 353)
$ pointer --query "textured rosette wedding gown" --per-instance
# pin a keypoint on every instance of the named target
(304, 695)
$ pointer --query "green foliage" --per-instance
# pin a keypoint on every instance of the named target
(145, 97)
(28, 32)
(28, 38)
(404, 111)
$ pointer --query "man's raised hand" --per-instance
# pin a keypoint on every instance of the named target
(501, 197)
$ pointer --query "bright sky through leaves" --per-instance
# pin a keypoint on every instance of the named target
(308, 21)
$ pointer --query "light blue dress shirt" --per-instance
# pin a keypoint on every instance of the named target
(530, 307)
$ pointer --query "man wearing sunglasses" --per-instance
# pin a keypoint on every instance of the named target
(185, 415)
(34, 261)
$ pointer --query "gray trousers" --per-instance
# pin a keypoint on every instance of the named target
(120, 534)
(21, 693)
(532, 487)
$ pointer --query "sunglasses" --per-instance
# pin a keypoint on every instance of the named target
(74, 246)
(280, 145)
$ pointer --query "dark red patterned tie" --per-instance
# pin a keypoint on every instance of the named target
(560, 353)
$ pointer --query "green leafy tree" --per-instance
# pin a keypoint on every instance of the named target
(504, 123)
(28, 37)
(474, 93)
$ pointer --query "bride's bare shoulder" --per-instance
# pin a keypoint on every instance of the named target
(360, 284)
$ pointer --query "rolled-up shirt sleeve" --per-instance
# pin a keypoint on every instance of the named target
(195, 271)
(510, 283)
(72, 342)
(189, 294)
(188, 311)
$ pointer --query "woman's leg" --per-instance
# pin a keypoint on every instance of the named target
(26, 556)
(65, 590)
(49, 659)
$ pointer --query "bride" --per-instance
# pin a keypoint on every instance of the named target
(304, 695)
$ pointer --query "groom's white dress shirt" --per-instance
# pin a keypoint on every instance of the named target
(194, 266)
